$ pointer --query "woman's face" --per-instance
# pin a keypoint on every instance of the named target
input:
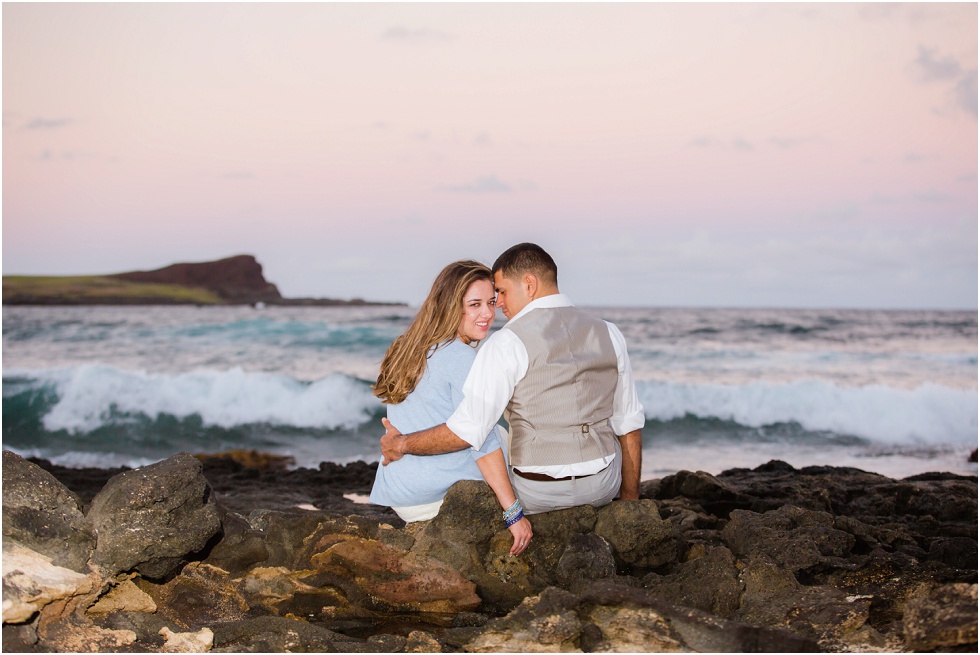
(478, 312)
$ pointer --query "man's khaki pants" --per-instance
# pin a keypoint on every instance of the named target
(596, 490)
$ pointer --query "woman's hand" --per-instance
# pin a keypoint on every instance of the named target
(522, 536)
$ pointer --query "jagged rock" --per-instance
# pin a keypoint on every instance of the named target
(419, 641)
(612, 617)
(773, 597)
(43, 515)
(941, 617)
(305, 594)
(468, 535)
(387, 643)
(75, 635)
(145, 625)
(792, 537)
(396, 580)
(275, 634)
(637, 534)
(540, 624)
(709, 583)
(709, 492)
(19, 638)
(187, 642)
(587, 557)
(150, 519)
(31, 583)
(200, 596)
(241, 546)
(841, 572)
(699, 631)
(123, 597)
(959, 552)
(552, 533)
(292, 538)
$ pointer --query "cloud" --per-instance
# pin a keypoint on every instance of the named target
(738, 143)
(45, 124)
(704, 142)
(482, 139)
(931, 68)
(414, 36)
(742, 145)
(792, 142)
(483, 184)
(965, 92)
(927, 196)
(931, 195)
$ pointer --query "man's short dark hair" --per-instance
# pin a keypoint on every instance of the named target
(527, 258)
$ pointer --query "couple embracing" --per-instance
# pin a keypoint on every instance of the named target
(560, 377)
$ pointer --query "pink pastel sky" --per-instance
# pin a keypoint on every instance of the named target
(787, 155)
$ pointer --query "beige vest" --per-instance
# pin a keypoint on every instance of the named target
(560, 410)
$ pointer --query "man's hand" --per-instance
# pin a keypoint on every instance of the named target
(390, 443)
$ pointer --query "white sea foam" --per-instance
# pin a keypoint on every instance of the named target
(929, 413)
(90, 396)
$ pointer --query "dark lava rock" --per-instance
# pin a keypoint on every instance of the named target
(706, 490)
(710, 583)
(792, 537)
(240, 547)
(587, 557)
(151, 519)
(42, 514)
(274, 634)
(637, 534)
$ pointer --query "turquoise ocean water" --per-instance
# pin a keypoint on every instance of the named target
(891, 392)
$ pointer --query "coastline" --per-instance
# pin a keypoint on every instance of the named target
(774, 558)
(236, 280)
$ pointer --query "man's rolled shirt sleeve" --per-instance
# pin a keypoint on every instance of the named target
(499, 366)
(627, 410)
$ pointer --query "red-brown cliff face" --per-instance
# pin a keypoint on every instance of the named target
(236, 279)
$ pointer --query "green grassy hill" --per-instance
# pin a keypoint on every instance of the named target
(95, 290)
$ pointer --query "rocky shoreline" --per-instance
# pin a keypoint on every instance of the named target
(245, 555)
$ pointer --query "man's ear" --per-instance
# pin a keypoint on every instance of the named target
(530, 281)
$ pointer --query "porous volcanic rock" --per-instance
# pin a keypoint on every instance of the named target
(151, 519)
(42, 514)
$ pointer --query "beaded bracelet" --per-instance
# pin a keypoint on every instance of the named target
(514, 518)
(513, 509)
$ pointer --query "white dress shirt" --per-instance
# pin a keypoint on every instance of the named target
(502, 362)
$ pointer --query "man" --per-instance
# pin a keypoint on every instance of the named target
(563, 381)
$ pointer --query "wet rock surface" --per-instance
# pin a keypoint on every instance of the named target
(191, 556)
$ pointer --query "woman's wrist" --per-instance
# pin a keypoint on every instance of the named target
(514, 513)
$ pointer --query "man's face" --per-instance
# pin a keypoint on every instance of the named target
(511, 295)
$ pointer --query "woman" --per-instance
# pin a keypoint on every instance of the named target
(421, 381)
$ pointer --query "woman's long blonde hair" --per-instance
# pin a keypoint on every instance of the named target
(436, 324)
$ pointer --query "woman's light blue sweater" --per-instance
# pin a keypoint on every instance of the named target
(417, 480)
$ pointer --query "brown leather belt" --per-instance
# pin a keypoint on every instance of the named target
(541, 477)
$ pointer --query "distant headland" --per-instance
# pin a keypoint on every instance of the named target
(236, 280)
